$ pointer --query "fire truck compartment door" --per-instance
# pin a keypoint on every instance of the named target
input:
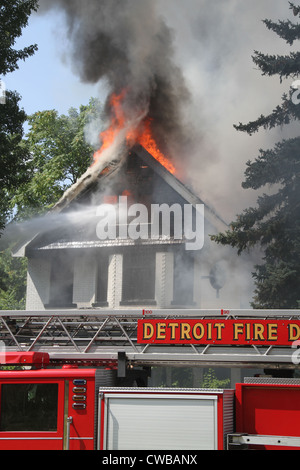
(160, 422)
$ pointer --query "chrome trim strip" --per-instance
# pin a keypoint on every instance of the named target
(81, 438)
(30, 438)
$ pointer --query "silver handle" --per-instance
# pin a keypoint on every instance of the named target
(69, 422)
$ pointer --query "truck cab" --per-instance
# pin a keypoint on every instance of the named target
(48, 409)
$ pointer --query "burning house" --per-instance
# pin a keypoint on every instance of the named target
(129, 232)
(131, 235)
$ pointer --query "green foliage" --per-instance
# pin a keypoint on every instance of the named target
(12, 282)
(56, 155)
(280, 116)
(13, 151)
(210, 380)
(34, 172)
(284, 66)
(14, 16)
(188, 377)
(274, 224)
(59, 156)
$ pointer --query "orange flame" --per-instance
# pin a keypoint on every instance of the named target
(142, 135)
(147, 141)
(118, 120)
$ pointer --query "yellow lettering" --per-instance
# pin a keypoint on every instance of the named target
(185, 331)
(237, 330)
(219, 327)
(272, 332)
(201, 333)
(209, 331)
(173, 327)
(148, 330)
(258, 331)
(294, 332)
(247, 332)
(161, 331)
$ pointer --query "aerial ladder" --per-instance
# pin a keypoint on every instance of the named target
(103, 337)
(77, 379)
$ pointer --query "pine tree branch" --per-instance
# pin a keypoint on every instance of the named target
(284, 66)
(296, 9)
(280, 116)
(286, 30)
(274, 223)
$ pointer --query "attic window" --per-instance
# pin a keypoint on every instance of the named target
(138, 278)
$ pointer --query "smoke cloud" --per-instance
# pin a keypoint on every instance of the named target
(214, 44)
(129, 46)
(188, 66)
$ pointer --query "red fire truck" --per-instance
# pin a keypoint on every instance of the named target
(79, 408)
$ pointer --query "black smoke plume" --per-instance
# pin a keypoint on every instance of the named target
(128, 44)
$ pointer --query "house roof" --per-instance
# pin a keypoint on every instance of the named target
(89, 181)
(103, 175)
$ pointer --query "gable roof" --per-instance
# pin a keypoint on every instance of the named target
(104, 174)
(88, 182)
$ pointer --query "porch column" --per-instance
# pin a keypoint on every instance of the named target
(164, 274)
(115, 280)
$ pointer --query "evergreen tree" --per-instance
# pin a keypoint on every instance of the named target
(12, 281)
(14, 16)
(274, 224)
(13, 150)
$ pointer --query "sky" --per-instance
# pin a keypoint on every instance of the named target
(45, 81)
(213, 43)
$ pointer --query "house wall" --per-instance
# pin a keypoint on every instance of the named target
(84, 284)
(38, 283)
(235, 293)
(164, 279)
(114, 288)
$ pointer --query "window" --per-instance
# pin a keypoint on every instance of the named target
(138, 277)
(61, 282)
(29, 407)
(183, 281)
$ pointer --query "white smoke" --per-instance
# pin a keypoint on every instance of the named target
(214, 44)
(210, 44)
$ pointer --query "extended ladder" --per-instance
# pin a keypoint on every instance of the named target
(100, 336)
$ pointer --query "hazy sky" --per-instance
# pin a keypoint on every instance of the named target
(44, 80)
(213, 42)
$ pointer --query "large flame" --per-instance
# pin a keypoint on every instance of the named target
(141, 134)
